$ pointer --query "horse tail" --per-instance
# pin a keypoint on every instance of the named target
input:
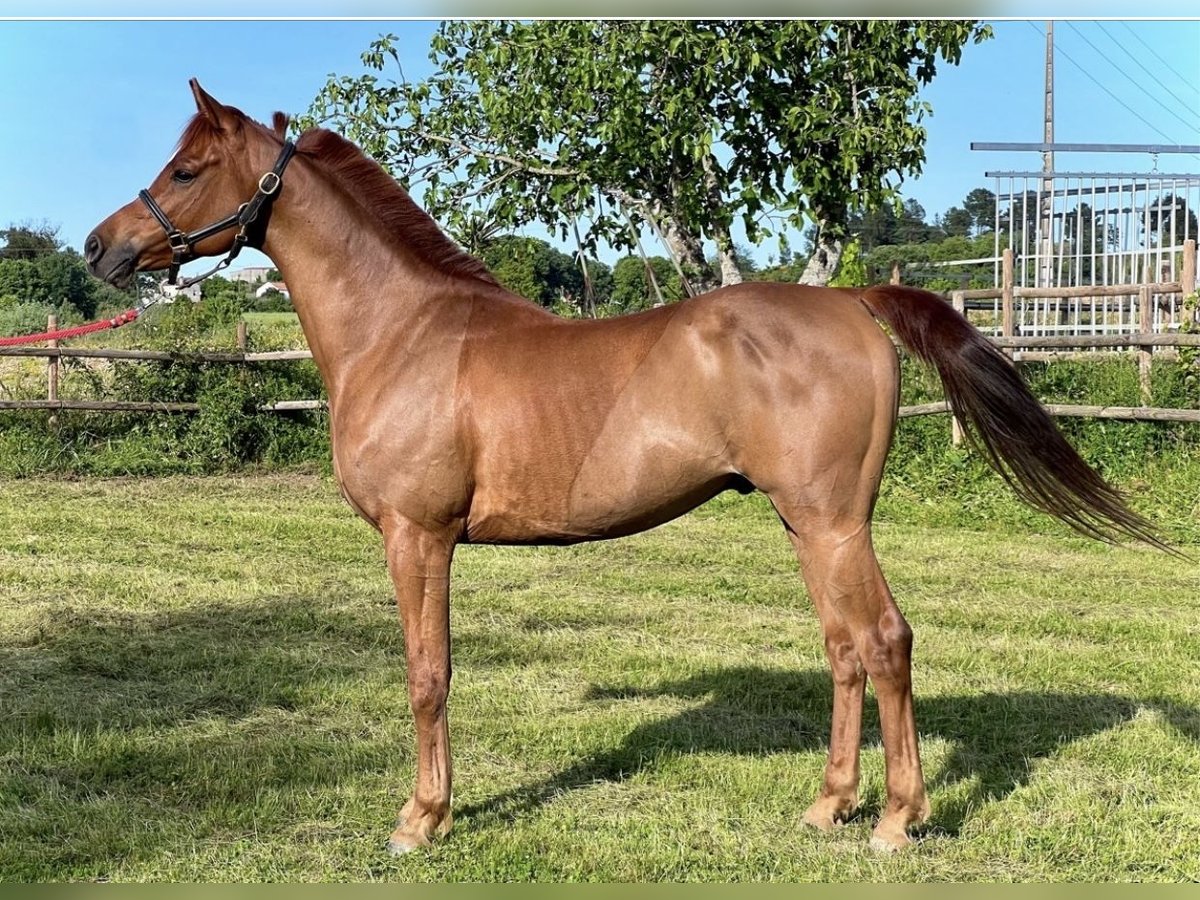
(1004, 420)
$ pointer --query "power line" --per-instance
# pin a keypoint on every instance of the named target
(1186, 124)
(1125, 50)
(1156, 55)
(1121, 102)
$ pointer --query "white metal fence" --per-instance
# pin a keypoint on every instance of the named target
(1094, 228)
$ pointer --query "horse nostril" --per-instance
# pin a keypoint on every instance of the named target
(93, 249)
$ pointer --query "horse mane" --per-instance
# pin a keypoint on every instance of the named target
(368, 184)
(377, 192)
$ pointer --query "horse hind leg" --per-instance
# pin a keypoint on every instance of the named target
(838, 800)
(865, 636)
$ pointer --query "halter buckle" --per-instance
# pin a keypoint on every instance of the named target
(270, 178)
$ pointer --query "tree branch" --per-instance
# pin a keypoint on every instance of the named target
(512, 161)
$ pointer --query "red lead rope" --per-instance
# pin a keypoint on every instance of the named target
(63, 334)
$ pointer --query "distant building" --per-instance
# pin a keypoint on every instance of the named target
(250, 274)
(172, 292)
(273, 286)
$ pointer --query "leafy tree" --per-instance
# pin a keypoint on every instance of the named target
(789, 267)
(980, 204)
(1020, 218)
(17, 278)
(878, 262)
(957, 222)
(63, 278)
(1170, 219)
(57, 279)
(852, 271)
(474, 231)
(532, 268)
(272, 301)
(522, 265)
(39, 271)
(601, 277)
(29, 241)
(912, 227)
(632, 289)
(684, 126)
(743, 256)
(874, 227)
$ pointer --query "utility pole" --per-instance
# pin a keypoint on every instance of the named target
(1046, 225)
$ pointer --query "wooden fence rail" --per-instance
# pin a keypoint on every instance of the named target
(1132, 413)
(52, 353)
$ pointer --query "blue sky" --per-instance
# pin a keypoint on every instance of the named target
(90, 110)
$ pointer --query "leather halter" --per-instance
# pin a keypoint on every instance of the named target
(183, 243)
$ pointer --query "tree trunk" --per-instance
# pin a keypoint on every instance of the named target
(689, 252)
(731, 273)
(824, 261)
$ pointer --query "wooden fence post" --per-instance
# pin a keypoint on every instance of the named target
(1007, 314)
(52, 366)
(52, 361)
(241, 334)
(956, 430)
(1187, 273)
(896, 271)
(1145, 325)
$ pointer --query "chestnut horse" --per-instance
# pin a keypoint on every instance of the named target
(463, 413)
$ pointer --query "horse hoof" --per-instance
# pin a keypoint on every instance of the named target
(890, 843)
(413, 832)
(401, 846)
(825, 817)
(819, 821)
(396, 848)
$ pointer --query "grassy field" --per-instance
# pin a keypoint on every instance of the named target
(203, 680)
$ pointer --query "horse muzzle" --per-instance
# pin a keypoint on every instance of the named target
(115, 265)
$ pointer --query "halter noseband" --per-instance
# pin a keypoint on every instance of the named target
(183, 244)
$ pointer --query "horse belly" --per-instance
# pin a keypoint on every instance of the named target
(645, 466)
(594, 512)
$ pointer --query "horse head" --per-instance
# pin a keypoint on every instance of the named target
(197, 205)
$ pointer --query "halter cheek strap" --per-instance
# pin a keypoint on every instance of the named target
(183, 244)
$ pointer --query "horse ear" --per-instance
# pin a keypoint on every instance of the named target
(279, 122)
(206, 105)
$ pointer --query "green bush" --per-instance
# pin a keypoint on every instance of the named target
(229, 432)
(23, 318)
(272, 301)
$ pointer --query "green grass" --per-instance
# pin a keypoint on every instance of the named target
(203, 680)
(271, 318)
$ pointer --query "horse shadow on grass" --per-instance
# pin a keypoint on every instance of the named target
(996, 739)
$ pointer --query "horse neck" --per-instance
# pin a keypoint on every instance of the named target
(353, 288)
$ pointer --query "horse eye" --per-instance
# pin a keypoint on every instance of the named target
(182, 176)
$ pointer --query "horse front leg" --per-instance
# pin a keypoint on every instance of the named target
(419, 563)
